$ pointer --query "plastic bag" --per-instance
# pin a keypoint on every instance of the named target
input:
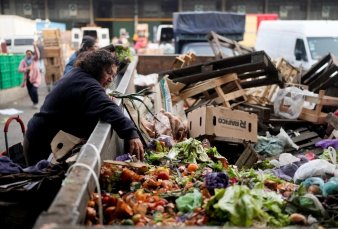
(284, 159)
(328, 142)
(286, 139)
(331, 187)
(294, 102)
(315, 168)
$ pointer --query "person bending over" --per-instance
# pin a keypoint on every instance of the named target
(76, 104)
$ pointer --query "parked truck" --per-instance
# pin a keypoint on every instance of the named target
(252, 23)
(301, 43)
(101, 34)
(18, 33)
(193, 27)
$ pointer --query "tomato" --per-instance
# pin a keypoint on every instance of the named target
(163, 175)
(192, 167)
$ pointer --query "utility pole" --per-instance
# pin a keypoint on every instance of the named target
(266, 6)
(180, 6)
(223, 7)
(308, 10)
(46, 10)
(91, 12)
(135, 15)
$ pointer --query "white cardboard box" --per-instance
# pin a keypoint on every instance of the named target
(223, 122)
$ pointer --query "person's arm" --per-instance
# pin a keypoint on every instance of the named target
(22, 67)
(36, 52)
(136, 148)
(98, 101)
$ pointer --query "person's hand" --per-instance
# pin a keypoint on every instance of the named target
(136, 148)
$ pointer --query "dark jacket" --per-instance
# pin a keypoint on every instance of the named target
(75, 106)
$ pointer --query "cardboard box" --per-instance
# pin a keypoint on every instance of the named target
(223, 122)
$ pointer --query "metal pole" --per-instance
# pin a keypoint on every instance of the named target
(135, 15)
(266, 6)
(91, 12)
(223, 5)
(180, 6)
(46, 10)
(308, 9)
(12, 8)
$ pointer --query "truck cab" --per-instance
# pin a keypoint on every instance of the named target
(101, 34)
(193, 27)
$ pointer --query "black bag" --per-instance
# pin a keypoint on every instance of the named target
(15, 153)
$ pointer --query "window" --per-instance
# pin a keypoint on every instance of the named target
(23, 41)
(321, 46)
(300, 52)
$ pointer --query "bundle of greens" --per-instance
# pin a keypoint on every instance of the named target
(240, 206)
(123, 53)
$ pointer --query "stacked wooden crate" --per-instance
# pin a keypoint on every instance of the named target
(53, 55)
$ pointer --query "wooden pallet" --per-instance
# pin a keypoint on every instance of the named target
(316, 116)
(216, 85)
(253, 69)
(304, 138)
(183, 60)
(217, 41)
(263, 96)
(322, 74)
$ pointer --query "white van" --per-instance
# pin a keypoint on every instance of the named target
(19, 44)
(301, 43)
(101, 34)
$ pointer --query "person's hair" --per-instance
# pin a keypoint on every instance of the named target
(87, 43)
(28, 50)
(95, 62)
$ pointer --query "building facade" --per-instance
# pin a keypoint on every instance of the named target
(116, 14)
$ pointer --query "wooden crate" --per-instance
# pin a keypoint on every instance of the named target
(253, 69)
(316, 116)
(217, 41)
(52, 42)
(52, 52)
(248, 158)
(263, 95)
(53, 74)
(322, 75)
(51, 33)
(53, 62)
(184, 60)
(214, 89)
(303, 138)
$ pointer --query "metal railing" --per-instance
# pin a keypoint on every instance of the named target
(69, 206)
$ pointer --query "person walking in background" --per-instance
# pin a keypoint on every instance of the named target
(29, 66)
(88, 44)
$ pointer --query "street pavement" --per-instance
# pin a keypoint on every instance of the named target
(25, 105)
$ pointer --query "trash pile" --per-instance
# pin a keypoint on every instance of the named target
(239, 141)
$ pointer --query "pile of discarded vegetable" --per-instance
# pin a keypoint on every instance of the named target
(190, 183)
